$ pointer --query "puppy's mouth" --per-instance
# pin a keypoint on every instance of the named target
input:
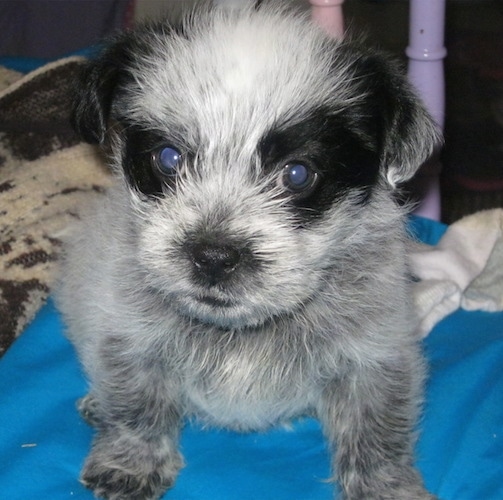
(220, 311)
(215, 302)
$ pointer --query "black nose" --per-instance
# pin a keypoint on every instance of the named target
(215, 262)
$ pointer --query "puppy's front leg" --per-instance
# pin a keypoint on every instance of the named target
(135, 453)
(368, 416)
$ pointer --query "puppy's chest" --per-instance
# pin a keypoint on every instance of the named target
(247, 389)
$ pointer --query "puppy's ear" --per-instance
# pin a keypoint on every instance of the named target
(96, 89)
(405, 132)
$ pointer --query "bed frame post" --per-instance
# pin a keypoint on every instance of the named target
(328, 14)
(426, 53)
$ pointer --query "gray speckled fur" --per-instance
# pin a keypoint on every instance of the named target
(322, 327)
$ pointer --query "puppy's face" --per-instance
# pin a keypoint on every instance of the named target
(254, 153)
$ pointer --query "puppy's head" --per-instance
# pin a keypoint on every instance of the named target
(255, 155)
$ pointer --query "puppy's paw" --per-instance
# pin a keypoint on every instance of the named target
(121, 468)
(399, 493)
(402, 493)
(405, 483)
(402, 484)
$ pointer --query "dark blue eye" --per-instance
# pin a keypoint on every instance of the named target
(167, 161)
(298, 178)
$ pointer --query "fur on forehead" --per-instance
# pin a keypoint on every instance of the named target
(238, 73)
(225, 78)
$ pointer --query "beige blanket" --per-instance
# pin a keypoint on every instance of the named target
(464, 270)
(46, 176)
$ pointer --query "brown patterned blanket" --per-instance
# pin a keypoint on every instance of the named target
(46, 176)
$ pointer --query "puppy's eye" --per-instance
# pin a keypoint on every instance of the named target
(166, 161)
(299, 179)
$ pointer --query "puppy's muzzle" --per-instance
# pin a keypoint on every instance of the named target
(214, 263)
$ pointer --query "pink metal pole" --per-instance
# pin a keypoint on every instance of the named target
(426, 52)
(328, 14)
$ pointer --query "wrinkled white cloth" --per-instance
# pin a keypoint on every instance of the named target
(465, 269)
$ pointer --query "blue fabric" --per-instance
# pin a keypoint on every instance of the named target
(43, 441)
(27, 64)
(426, 230)
(22, 64)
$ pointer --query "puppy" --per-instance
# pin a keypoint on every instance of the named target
(249, 265)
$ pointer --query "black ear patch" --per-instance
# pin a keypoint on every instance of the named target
(108, 76)
(326, 142)
(393, 114)
(104, 78)
(95, 92)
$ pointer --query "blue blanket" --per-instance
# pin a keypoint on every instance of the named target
(43, 441)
